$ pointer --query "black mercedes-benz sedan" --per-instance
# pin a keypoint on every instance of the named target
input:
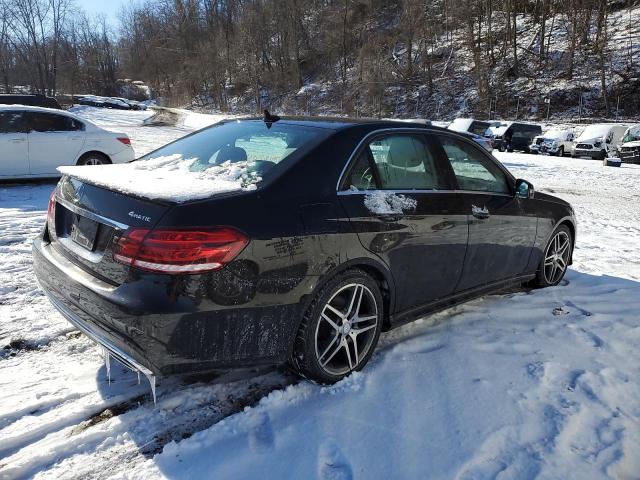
(289, 240)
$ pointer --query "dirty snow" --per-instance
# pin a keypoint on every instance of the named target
(170, 178)
(520, 385)
(382, 203)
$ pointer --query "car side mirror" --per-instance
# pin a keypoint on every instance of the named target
(524, 189)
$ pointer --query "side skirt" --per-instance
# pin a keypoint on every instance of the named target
(401, 318)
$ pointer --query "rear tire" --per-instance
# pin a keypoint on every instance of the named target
(94, 158)
(555, 260)
(340, 329)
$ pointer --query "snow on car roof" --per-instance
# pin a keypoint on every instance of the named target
(597, 130)
(55, 111)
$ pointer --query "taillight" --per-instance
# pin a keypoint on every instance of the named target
(51, 210)
(124, 140)
(179, 251)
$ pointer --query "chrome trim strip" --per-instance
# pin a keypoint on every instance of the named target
(69, 244)
(422, 130)
(365, 192)
(89, 214)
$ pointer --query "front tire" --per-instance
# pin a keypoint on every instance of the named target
(340, 329)
(560, 151)
(555, 260)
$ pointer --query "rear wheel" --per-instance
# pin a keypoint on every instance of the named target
(556, 258)
(341, 328)
(94, 158)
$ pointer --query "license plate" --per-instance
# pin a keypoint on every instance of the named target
(84, 231)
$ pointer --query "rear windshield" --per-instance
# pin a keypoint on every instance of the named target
(252, 145)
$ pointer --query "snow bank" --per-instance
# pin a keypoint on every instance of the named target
(170, 178)
(382, 203)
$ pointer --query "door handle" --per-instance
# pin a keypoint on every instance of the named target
(17, 140)
(478, 212)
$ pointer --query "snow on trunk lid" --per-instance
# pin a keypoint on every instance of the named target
(170, 178)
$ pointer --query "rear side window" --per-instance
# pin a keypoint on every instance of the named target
(48, 122)
(10, 122)
(397, 162)
(472, 169)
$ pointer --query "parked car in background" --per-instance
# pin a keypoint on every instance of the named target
(553, 142)
(34, 141)
(335, 230)
(629, 148)
(30, 100)
(480, 140)
(512, 136)
(476, 129)
(117, 103)
(598, 140)
(471, 125)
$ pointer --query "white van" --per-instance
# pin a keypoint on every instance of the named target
(597, 141)
(629, 150)
(553, 142)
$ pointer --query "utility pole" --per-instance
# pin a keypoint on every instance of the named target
(548, 102)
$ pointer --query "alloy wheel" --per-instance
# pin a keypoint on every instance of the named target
(556, 257)
(93, 161)
(346, 329)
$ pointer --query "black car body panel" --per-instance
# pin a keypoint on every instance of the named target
(30, 100)
(304, 227)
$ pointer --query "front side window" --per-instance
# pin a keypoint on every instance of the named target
(396, 162)
(48, 122)
(472, 169)
(10, 122)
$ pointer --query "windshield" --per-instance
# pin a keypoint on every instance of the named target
(248, 144)
(553, 134)
(632, 135)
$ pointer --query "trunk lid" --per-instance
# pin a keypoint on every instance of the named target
(89, 220)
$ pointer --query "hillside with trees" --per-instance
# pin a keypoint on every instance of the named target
(430, 59)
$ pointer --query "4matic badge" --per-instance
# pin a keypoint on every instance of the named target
(139, 217)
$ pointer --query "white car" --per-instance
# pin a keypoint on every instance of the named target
(553, 142)
(34, 141)
(629, 149)
(598, 141)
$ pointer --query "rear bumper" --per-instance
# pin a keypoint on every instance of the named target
(629, 157)
(123, 156)
(155, 333)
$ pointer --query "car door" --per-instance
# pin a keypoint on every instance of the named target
(401, 204)
(14, 154)
(501, 235)
(54, 140)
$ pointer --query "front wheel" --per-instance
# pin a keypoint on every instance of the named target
(341, 328)
(561, 151)
(556, 258)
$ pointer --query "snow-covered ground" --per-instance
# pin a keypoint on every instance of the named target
(526, 384)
